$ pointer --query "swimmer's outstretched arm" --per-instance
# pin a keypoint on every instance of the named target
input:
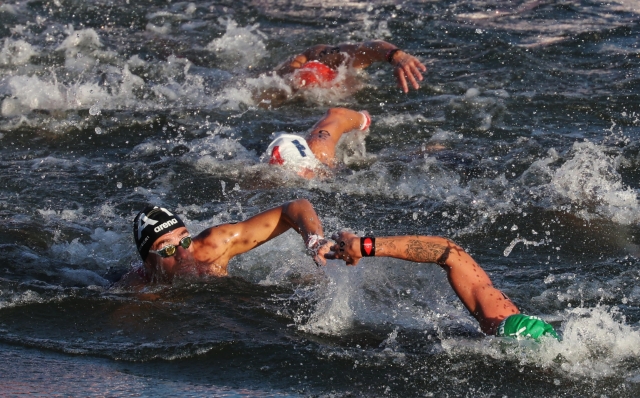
(468, 280)
(223, 242)
(416, 248)
(406, 67)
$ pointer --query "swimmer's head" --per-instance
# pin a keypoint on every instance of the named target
(525, 326)
(293, 152)
(152, 223)
(313, 74)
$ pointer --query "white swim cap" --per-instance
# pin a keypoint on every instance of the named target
(292, 151)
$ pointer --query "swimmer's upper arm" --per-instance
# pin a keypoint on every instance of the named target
(229, 240)
(296, 61)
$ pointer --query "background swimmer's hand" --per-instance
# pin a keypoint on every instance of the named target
(320, 257)
(407, 67)
(318, 247)
(347, 248)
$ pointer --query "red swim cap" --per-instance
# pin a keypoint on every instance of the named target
(313, 74)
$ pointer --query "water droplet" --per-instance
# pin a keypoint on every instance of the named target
(119, 185)
(98, 130)
(94, 110)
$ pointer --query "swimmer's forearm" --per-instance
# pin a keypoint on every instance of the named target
(416, 248)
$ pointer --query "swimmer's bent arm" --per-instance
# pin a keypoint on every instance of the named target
(226, 241)
(325, 135)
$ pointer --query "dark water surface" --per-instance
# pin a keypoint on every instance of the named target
(106, 106)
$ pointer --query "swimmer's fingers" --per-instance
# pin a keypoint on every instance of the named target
(337, 255)
(416, 71)
(419, 65)
(408, 67)
(346, 247)
(402, 81)
(408, 72)
(321, 254)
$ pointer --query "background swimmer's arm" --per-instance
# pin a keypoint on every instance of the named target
(326, 133)
(406, 67)
(227, 241)
(315, 53)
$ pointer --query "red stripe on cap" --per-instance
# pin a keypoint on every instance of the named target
(275, 156)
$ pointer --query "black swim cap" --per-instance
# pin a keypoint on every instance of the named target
(150, 224)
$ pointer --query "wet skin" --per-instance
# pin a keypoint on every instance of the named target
(211, 250)
(467, 279)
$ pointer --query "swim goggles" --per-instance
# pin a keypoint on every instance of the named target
(170, 250)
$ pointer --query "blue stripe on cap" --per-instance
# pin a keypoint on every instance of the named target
(300, 147)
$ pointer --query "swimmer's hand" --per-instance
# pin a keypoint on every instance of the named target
(407, 67)
(318, 247)
(347, 248)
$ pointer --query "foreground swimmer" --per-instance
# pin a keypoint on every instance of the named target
(308, 156)
(406, 67)
(168, 249)
(496, 313)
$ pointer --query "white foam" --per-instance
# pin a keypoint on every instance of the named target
(371, 29)
(32, 93)
(105, 248)
(81, 40)
(81, 48)
(16, 52)
(66, 215)
(9, 8)
(351, 148)
(24, 298)
(596, 344)
(589, 179)
(239, 46)
(215, 152)
(333, 314)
